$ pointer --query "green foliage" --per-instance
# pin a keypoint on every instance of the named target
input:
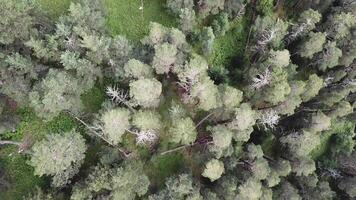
(265, 7)
(207, 38)
(221, 24)
(59, 156)
(161, 167)
(54, 8)
(348, 185)
(329, 58)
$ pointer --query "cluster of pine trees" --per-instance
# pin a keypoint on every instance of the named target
(279, 125)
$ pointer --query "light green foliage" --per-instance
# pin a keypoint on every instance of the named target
(323, 191)
(293, 100)
(44, 50)
(243, 121)
(333, 95)
(182, 131)
(300, 143)
(207, 93)
(192, 72)
(17, 72)
(59, 156)
(97, 47)
(177, 38)
(80, 193)
(227, 187)
(313, 44)
(230, 96)
(221, 24)
(312, 87)
(175, 6)
(165, 57)
(213, 169)
(57, 92)
(114, 124)
(281, 168)
(339, 24)
(146, 92)
(329, 58)
(279, 58)
(147, 120)
(268, 32)
(86, 72)
(305, 23)
(157, 34)
(250, 190)
(260, 169)
(129, 182)
(319, 122)
(210, 7)
(21, 66)
(287, 191)
(348, 52)
(222, 136)
(267, 194)
(348, 185)
(87, 13)
(99, 179)
(278, 89)
(303, 166)
(16, 20)
(207, 38)
(253, 152)
(187, 20)
(38, 195)
(136, 69)
(180, 188)
(341, 109)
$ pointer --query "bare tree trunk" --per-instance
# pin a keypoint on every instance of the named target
(5, 142)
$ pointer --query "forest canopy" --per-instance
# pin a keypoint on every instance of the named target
(177, 99)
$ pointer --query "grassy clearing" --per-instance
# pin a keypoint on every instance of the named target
(54, 8)
(229, 52)
(125, 17)
(18, 172)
